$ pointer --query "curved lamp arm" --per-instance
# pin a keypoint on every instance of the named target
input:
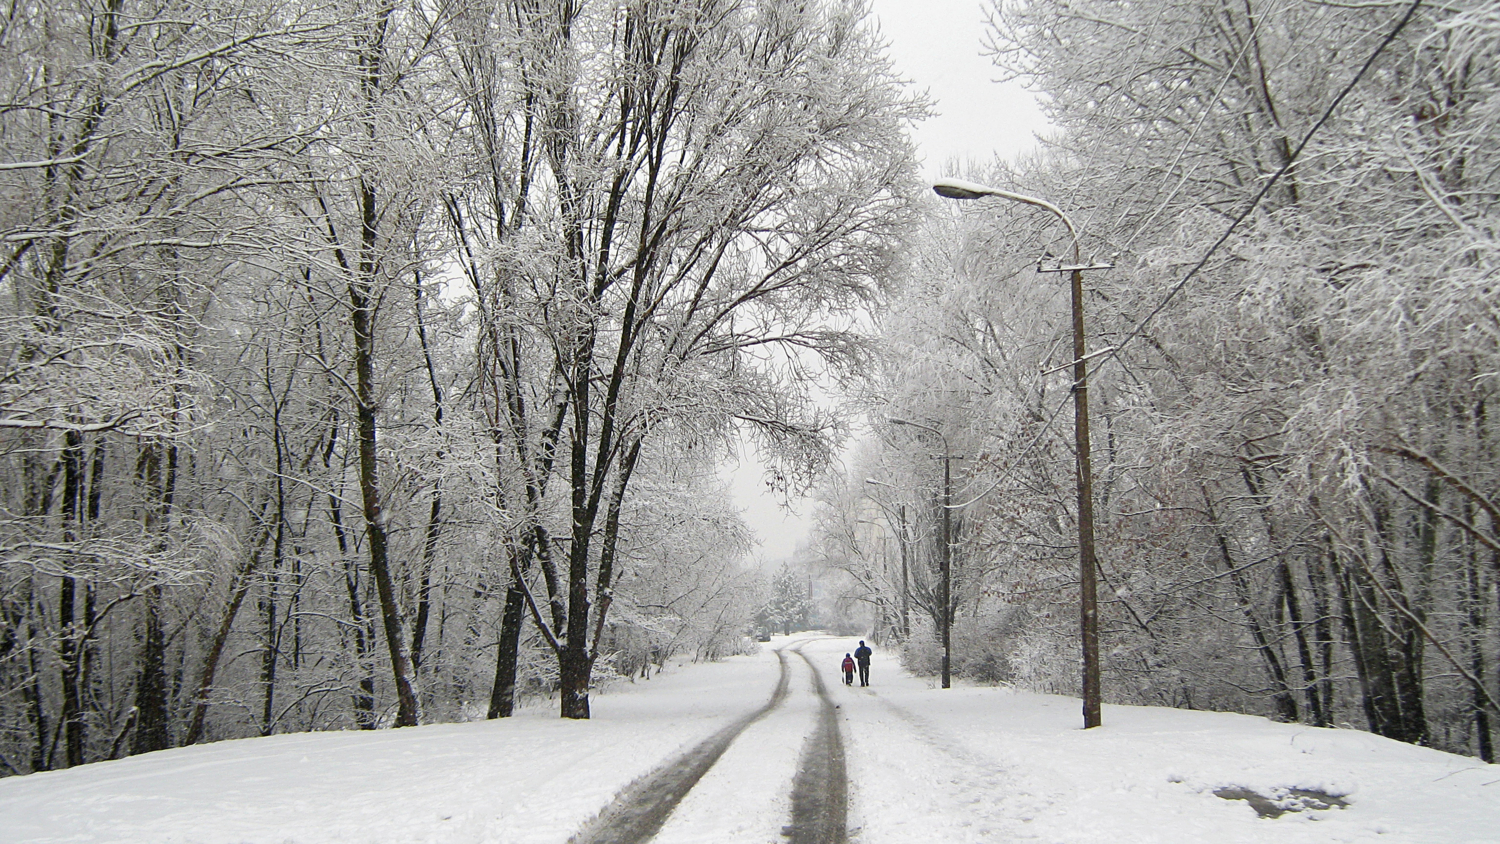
(961, 189)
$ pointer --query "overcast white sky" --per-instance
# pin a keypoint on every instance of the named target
(936, 45)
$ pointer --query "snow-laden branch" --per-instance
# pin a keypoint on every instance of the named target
(76, 427)
(11, 166)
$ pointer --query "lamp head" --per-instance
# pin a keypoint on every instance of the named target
(959, 189)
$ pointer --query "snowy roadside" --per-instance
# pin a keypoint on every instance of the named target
(985, 764)
(531, 778)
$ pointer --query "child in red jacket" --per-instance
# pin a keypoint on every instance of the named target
(848, 670)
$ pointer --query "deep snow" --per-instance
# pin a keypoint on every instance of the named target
(925, 764)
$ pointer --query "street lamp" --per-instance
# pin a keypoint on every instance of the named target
(945, 560)
(1088, 587)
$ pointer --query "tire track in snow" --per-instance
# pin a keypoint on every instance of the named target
(643, 806)
(820, 791)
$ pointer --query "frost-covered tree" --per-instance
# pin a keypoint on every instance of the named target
(339, 338)
(131, 142)
(789, 606)
(713, 189)
(1282, 526)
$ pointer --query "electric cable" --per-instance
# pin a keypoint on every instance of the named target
(1271, 183)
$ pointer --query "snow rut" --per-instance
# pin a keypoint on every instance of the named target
(641, 808)
(820, 792)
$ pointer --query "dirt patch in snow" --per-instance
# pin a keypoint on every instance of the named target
(1281, 801)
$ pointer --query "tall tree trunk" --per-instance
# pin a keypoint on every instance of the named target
(1410, 623)
(88, 648)
(294, 605)
(575, 670)
(582, 646)
(69, 650)
(512, 620)
(1287, 587)
(363, 700)
(1317, 578)
(435, 511)
(239, 586)
(1475, 621)
(369, 486)
(535, 543)
(1402, 641)
(70, 719)
(1281, 692)
(153, 707)
(503, 692)
(575, 663)
(424, 580)
(18, 617)
(152, 727)
(364, 634)
(271, 639)
(1367, 644)
(1315, 706)
(364, 304)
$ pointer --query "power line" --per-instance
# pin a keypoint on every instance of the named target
(1202, 119)
(1202, 262)
(1291, 160)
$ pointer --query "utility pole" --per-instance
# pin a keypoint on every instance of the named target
(905, 578)
(1088, 586)
(945, 555)
(947, 563)
(1088, 590)
(903, 538)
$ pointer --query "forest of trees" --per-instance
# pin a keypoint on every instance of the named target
(369, 362)
(1295, 459)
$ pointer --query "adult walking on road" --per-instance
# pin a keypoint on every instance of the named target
(862, 656)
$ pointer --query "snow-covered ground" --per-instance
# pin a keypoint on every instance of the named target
(924, 764)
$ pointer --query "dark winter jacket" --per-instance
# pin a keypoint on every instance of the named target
(862, 653)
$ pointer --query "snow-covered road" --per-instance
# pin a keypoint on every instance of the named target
(733, 785)
(923, 764)
(746, 796)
